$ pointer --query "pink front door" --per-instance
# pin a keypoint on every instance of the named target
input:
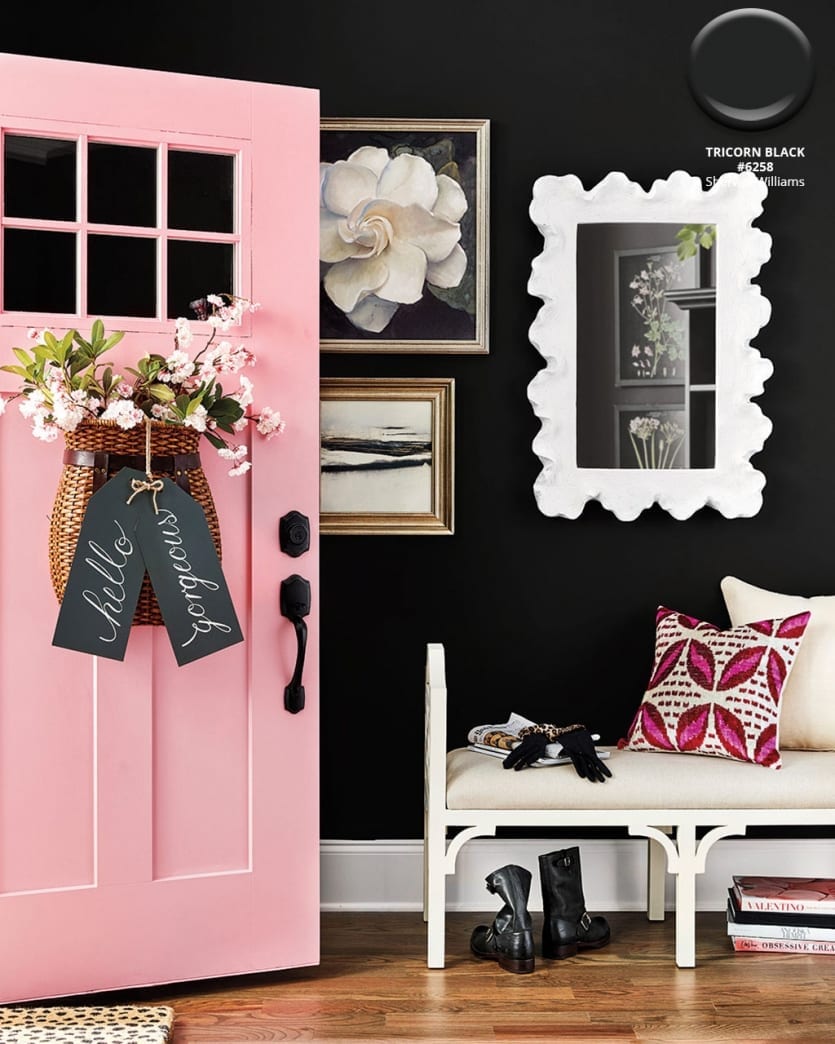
(158, 823)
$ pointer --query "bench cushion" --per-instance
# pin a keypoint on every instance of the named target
(644, 780)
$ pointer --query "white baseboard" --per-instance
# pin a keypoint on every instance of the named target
(388, 875)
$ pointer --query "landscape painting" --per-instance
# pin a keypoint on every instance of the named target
(385, 455)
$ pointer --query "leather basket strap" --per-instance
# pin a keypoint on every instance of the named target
(105, 464)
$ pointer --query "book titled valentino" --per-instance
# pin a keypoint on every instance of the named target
(789, 927)
(789, 895)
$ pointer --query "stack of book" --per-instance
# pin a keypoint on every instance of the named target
(782, 914)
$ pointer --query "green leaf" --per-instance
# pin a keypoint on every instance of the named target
(228, 409)
(97, 331)
(114, 338)
(195, 402)
(215, 440)
(79, 340)
(77, 365)
(161, 392)
(17, 370)
(23, 356)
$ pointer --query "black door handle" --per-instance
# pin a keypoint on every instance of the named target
(294, 603)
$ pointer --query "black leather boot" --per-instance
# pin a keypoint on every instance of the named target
(509, 939)
(567, 926)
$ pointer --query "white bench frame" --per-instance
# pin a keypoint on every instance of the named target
(672, 842)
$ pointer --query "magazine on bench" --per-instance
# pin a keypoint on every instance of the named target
(499, 740)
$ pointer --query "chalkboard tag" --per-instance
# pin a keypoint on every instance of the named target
(106, 574)
(186, 575)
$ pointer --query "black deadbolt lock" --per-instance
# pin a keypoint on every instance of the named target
(294, 533)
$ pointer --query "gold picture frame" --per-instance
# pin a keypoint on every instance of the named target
(387, 456)
(450, 314)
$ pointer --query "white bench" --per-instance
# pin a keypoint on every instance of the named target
(670, 799)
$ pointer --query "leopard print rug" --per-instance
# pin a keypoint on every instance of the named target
(116, 1024)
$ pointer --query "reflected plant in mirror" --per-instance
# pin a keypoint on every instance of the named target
(655, 444)
(645, 328)
(663, 336)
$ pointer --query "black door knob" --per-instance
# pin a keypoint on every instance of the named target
(294, 603)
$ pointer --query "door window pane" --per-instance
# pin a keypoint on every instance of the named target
(39, 177)
(38, 271)
(197, 269)
(121, 276)
(201, 191)
(122, 185)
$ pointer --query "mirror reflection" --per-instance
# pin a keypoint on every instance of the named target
(646, 345)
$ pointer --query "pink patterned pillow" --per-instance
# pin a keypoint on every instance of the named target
(716, 692)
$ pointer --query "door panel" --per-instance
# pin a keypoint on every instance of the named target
(160, 823)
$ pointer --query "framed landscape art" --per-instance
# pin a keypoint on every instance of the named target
(404, 235)
(386, 455)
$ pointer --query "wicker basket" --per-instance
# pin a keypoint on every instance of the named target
(79, 481)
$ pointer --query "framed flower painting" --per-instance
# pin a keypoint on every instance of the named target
(404, 235)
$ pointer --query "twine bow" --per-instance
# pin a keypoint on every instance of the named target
(152, 485)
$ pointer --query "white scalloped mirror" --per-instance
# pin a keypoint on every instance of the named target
(648, 312)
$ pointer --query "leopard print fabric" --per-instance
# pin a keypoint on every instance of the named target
(116, 1024)
(551, 732)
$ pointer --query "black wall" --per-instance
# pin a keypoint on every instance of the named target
(552, 618)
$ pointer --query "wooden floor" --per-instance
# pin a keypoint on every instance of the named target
(373, 985)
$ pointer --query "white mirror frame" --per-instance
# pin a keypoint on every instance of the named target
(732, 486)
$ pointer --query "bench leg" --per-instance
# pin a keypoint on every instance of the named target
(425, 865)
(686, 871)
(656, 878)
(435, 885)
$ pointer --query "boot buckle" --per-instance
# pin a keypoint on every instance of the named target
(585, 921)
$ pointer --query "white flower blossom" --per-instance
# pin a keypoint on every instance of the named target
(270, 423)
(124, 412)
(387, 225)
(226, 314)
(183, 333)
(244, 393)
(31, 404)
(241, 469)
(197, 419)
(44, 431)
(236, 453)
(178, 368)
(3, 403)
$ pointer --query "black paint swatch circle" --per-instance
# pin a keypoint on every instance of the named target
(751, 68)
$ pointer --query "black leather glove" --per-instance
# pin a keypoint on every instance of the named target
(578, 745)
(527, 752)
